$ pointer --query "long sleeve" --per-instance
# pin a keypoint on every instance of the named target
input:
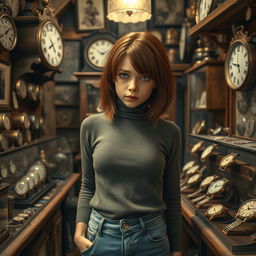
(88, 177)
(171, 193)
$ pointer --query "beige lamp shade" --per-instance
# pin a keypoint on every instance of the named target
(129, 11)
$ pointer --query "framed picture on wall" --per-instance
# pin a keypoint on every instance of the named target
(5, 86)
(90, 15)
(168, 12)
(71, 61)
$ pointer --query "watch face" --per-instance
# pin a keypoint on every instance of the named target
(5, 121)
(215, 209)
(21, 188)
(193, 169)
(188, 165)
(207, 152)
(97, 52)
(237, 65)
(247, 209)
(3, 171)
(227, 160)
(51, 44)
(197, 146)
(216, 186)
(21, 88)
(8, 33)
(207, 180)
(250, 126)
(242, 102)
(194, 178)
(203, 9)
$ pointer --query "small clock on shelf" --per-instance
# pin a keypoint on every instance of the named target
(240, 61)
(96, 47)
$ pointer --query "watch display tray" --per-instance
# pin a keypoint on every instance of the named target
(239, 240)
(25, 203)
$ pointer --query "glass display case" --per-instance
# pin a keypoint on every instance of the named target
(206, 96)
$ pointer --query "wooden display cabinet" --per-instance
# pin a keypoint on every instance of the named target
(206, 94)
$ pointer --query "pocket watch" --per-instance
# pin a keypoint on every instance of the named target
(8, 31)
(247, 211)
(215, 189)
(196, 147)
(5, 121)
(227, 161)
(21, 188)
(20, 88)
(208, 151)
(21, 120)
(96, 47)
(216, 211)
(240, 61)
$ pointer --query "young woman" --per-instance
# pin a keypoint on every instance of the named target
(129, 203)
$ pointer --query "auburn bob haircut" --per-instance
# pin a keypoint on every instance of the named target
(148, 57)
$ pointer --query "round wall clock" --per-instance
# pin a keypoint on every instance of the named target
(50, 44)
(8, 33)
(240, 62)
(96, 47)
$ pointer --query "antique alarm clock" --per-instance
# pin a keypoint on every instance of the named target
(247, 211)
(41, 38)
(8, 31)
(240, 61)
(96, 47)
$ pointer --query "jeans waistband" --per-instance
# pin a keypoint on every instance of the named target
(124, 225)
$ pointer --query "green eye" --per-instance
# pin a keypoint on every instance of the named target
(123, 75)
(145, 78)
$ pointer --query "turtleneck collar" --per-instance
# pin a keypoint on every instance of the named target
(139, 112)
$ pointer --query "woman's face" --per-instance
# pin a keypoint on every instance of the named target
(132, 88)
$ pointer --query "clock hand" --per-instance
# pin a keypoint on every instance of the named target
(52, 45)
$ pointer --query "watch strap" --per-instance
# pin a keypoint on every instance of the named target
(232, 225)
(197, 199)
(195, 193)
(205, 200)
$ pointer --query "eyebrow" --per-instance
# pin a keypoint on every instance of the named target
(124, 70)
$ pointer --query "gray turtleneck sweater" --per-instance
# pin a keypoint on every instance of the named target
(130, 168)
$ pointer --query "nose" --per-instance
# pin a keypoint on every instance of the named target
(132, 85)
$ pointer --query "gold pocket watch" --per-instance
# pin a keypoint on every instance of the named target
(247, 211)
(208, 152)
(217, 188)
(216, 211)
(197, 147)
(227, 160)
(206, 182)
(5, 121)
(240, 61)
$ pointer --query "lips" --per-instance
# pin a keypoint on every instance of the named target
(130, 97)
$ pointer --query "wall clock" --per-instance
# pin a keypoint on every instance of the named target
(8, 31)
(240, 61)
(96, 47)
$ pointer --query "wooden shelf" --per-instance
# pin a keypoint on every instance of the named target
(222, 18)
(203, 63)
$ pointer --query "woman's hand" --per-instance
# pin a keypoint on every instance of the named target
(82, 243)
(79, 238)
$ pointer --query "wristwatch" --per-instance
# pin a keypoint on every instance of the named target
(193, 170)
(208, 151)
(193, 180)
(196, 147)
(187, 166)
(216, 211)
(215, 189)
(247, 211)
(227, 161)
(206, 182)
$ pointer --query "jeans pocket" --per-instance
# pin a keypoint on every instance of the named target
(92, 235)
(156, 230)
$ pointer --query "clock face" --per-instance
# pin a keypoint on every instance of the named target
(51, 44)
(6, 122)
(8, 33)
(207, 180)
(97, 52)
(204, 8)
(215, 187)
(247, 209)
(188, 165)
(21, 188)
(215, 209)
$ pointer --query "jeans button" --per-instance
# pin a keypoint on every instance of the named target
(125, 226)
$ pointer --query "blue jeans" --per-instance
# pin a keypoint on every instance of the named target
(142, 236)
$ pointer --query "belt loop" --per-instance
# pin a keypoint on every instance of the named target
(142, 225)
(100, 226)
